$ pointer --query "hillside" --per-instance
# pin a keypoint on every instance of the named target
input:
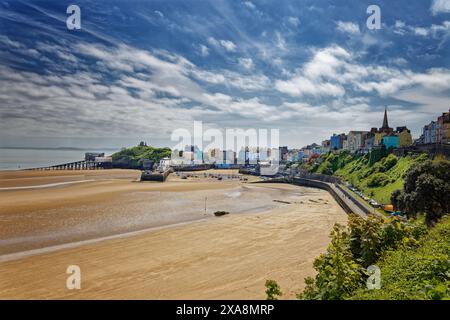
(377, 175)
(131, 158)
(419, 273)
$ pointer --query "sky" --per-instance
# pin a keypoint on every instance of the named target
(138, 70)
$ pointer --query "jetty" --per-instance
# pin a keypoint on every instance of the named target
(76, 165)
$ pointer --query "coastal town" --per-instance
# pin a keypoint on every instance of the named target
(225, 151)
(435, 138)
(264, 161)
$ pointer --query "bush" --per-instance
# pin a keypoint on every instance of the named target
(273, 290)
(378, 180)
(338, 274)
(421, 273)
(388, 162)
(342, 269)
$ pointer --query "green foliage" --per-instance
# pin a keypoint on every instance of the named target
(370, 237)
(273, 290)
(132, 157)
(338, 274)
(388, 162)
(366, 239)
(378, 178)
(426, 190)
(376, 155)
(342, 269)
(419, 273)
(332, 162)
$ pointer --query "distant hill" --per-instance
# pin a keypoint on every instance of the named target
(132, 158)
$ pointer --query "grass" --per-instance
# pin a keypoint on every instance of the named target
(378, 180)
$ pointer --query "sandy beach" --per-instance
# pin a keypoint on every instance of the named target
(156, 240)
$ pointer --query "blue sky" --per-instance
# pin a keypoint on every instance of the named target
(137, 70)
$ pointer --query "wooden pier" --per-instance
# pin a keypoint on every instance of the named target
(77, 165)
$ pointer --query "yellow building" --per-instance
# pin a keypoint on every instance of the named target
(405, 138)
(378, 138)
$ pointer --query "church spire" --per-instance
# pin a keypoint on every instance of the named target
(385, 120)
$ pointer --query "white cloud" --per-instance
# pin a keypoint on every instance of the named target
(204, 50)
(149, 87)
(249, 4)
(399, 24)
(421, 31)
(159, 13)
(294, 21)
(440, 6)
(226, 44)
(280, 42)
(347, 27)
(333, 72)
(247, 63)
(436, 31)
(300, 86)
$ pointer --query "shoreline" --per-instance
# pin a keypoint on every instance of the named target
(29, 253)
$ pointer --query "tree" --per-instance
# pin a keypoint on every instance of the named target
(366, 238)
(426, 190)
(273, 290)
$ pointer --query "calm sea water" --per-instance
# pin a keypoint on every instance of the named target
(13, 159)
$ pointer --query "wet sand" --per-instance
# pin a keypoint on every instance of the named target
(208, 258)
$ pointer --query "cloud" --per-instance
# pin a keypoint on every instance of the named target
(440, 6)
(61, 84)
(247, 63)
(280, 42)
(294, 21)
(347, 27)
(226, 44)
(159, 13)
(123, 90)
(204, 50)
(334, 72)
(300, 86)
(312, 78)
(421, 31)
(435, 31)
(249, 4)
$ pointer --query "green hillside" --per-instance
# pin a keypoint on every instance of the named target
(410, 253)
(132, 157)
(377, 175)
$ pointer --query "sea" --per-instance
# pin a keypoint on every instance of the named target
(23, 158)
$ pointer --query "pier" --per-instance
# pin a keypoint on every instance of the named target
(76, 165)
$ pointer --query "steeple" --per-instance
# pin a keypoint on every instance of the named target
(385, 120)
